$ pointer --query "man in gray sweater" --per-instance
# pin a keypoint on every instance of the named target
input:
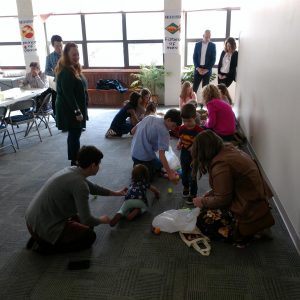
(58, 218)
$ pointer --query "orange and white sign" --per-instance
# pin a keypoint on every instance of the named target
(27, 36)
(27, 32)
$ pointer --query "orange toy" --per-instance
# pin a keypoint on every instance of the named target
(156, 230)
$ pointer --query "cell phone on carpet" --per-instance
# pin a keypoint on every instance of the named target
(79, 264)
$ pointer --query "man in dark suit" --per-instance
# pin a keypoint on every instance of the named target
(204, 59)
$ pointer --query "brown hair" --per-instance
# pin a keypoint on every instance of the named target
(34, 65)
(210, 92)
(150, 108)
(223, 89)
(188, 111)
(206, 146)
(184, 94)
(231, 42)
(64, 61)
(140, 173)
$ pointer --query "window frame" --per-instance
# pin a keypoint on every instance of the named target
(124, 39)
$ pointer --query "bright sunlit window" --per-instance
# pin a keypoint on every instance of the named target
(197, 4)
(198, 22)
(105, 54)
(145, 54)
(145, 26)
(12, 30)
(104, 27)
(68, 27)
(235, 27)
(9, 8)
(11, 55)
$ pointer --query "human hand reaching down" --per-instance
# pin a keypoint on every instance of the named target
(104, 219)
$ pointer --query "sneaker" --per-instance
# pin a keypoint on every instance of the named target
(111, 134)
(186, 193)
(189, 201)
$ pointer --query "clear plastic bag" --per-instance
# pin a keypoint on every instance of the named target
(177, 220)
(173, 160)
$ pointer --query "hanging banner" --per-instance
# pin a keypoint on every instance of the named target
(172, 32)
(28, 36)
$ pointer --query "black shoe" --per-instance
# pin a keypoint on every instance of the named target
(30, 243)
(186, 193)
(189, 200)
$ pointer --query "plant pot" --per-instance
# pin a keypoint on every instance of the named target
(155, 99)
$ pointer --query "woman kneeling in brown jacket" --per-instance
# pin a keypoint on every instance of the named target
(237, 206)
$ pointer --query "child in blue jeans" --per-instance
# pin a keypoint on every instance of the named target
(187, 133)
(135, 200)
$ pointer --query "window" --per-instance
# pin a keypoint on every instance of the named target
(9, 8)
(145, 26)
(235, 26)
(104, 27)
(121, 5)
(145, 54)
(68, 27)
(12, 30)
(11, 55)
(105, 54)
(198, 22)
(196, 4)
(190, 52)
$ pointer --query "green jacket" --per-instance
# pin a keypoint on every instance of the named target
(70, 97)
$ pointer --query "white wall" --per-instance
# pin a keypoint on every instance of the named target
(267, 95)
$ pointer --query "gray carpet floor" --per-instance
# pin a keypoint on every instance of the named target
(127, 261)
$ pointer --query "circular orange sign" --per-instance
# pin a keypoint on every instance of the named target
(27, 31)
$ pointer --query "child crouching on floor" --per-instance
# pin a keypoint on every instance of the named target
(135, 200)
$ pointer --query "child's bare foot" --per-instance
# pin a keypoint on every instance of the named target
(135, 212)
(115, 219)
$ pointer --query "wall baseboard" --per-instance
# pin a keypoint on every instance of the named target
(289, 226)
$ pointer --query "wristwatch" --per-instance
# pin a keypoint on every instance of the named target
(77, 112)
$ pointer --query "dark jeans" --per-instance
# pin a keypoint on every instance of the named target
(75, 237)
(227, 81)
(122, 128)
(153, 166)
(73, 143)
(53, 101)
(186, 177)
(198, 78)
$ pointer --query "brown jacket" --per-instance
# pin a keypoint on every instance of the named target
(237, 184)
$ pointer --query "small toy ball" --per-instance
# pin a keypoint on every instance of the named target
(156, 230)
(170, 190)
(95, 197)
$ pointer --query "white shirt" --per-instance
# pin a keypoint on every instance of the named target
(226, 63)
(203, 53)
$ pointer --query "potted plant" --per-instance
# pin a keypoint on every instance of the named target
(151, 77)
(188, 75)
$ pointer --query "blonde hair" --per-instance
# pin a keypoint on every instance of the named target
(64, 62)
(184, 90)
(210, 92)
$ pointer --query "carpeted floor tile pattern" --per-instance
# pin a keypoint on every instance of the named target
(128, 262)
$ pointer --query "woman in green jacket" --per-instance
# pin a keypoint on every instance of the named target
(71, 99)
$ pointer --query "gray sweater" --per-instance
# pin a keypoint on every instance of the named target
(64, 195)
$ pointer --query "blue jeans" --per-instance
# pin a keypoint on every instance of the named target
(73, 142)
(122, 128)
(186, 177)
